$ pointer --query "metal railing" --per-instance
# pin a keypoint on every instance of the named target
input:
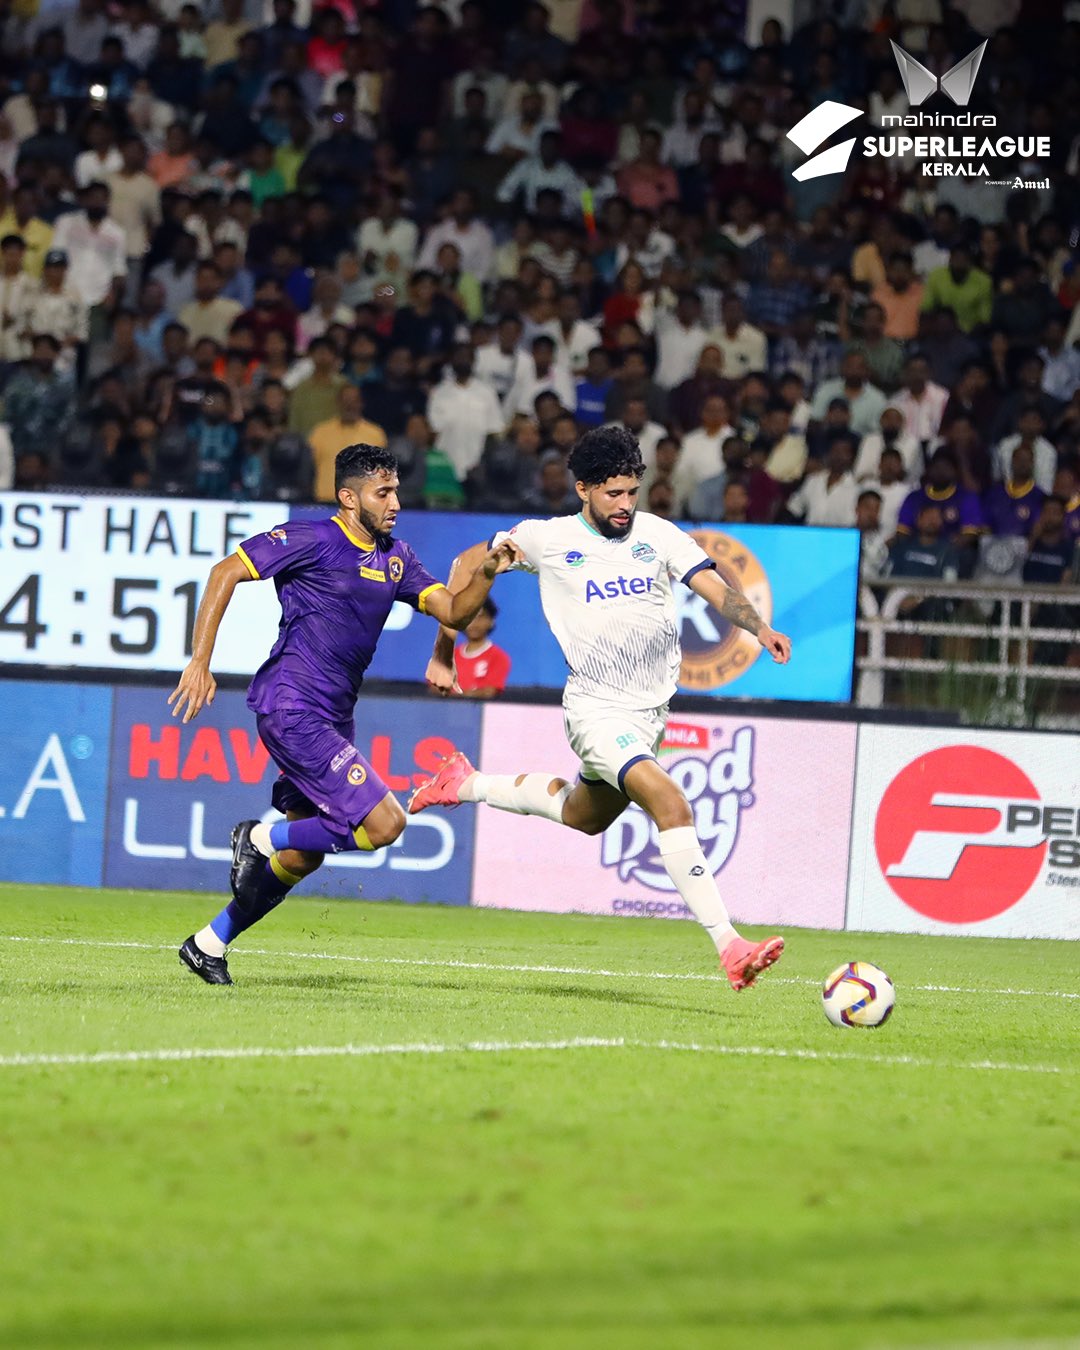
(991, 630)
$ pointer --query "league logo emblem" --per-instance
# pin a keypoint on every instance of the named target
(574, 558)
(357, 775)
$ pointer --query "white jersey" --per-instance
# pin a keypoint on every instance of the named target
(610, 602)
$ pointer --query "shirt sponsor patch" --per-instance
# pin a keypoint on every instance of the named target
(341, 758)
(374, 573)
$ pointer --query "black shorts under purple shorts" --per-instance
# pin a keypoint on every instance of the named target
(321, 768)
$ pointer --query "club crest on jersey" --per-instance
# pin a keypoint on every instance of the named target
(643, 552)
(574, 558)
(357, 775)
(397, 568)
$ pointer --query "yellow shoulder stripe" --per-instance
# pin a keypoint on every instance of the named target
(421, 599)
(248, 564)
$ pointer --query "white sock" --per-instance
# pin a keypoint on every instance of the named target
(209, 943)
(260, 837)
(684, 862)
(529, 797)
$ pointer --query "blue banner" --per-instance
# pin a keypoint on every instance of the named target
(803, 579)
(176, 792)
(53, 781)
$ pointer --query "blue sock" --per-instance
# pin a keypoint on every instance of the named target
(270, 890)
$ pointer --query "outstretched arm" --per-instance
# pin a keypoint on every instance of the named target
(440, 671)
(456, 606)
(734, 606)
(197, 686)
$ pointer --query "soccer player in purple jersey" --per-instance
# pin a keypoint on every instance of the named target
(336, 579)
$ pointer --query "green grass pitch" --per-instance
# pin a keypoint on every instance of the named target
(428, 1156)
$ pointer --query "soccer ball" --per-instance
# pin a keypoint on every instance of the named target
(858, 995)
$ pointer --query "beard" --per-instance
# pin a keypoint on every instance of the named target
(383, 538)
(611, 531)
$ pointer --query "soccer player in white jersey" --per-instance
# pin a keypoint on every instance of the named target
(606, 579)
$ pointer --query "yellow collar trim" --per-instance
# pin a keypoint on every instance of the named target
(940, 494)
(352, 538)
(1017, 490)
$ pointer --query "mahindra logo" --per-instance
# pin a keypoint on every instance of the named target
(920, 83)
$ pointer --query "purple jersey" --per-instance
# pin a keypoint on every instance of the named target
(1010, 509)
(961, 512)
(335, 596)
(1072, 519)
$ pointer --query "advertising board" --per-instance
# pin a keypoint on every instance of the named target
(177, 791)
(771, 802)
(969, 832)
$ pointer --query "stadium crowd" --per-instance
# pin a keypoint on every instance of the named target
(238, 236)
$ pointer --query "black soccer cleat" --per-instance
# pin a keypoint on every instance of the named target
(212, 969)
(247, 861)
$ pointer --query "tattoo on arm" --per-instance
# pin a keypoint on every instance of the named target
(739, 611)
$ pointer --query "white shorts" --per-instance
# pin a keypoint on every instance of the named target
(609, 739)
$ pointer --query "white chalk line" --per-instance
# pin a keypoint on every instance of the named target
(166, 1056)
(425, 1048)
(451, 964)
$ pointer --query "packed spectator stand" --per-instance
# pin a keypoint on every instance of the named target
(240, 235)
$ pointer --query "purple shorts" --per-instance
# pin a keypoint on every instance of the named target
(321, 769)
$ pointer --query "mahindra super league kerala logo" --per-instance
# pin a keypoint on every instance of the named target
(919, 83)
(718, 789)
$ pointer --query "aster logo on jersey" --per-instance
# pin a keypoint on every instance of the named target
(176, 791)
(779, 848)
(980, 834)
(715, 652)
(719, 788)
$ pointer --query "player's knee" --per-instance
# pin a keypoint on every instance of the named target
(382, 829)
(673, 813)
(310, 862)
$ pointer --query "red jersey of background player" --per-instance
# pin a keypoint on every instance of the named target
(482, 668)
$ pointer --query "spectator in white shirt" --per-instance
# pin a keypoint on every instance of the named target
(386, 243)
(682, 140)
(574, 338)
(874, 541)
(471, 237)
(546, 171)
(1044, 453)
(464, 412)
(536, 374)
(497, 362)
(680, 338)
(102, 159)
(326, 309)
(646, 244)
(482, 74)
(702, 449)
(648, 434)
(96, 248)
(210, 314)
(890, 487)
(893, 436)
(518, 136)
(828, 496)
(135, 204)
(744, 347)
(921, 403)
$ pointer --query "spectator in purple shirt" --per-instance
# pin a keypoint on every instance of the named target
(961, 512)
(1013, 506)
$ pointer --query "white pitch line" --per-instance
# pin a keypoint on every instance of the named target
(451, 964)
(167, 1056)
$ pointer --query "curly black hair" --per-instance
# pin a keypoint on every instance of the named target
(606, 452)
(362, 461)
